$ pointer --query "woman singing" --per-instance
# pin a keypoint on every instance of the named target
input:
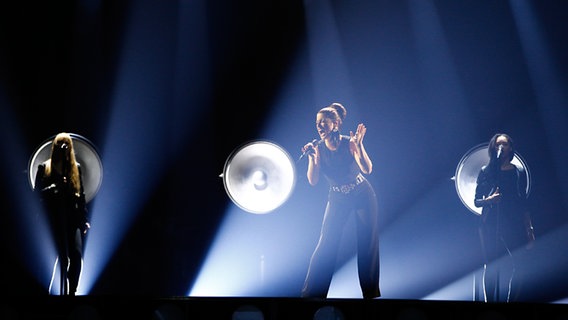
(342, 160)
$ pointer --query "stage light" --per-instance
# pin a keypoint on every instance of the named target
(259, 176)
(468, 168)
(87, 156)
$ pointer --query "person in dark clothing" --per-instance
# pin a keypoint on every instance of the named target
(59, 184)
(505, 224)
(342, 160)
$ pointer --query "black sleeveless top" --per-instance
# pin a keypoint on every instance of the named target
(338, 166)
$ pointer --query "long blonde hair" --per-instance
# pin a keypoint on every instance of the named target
(68, 163)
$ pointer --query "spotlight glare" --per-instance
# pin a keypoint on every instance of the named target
(259, 180)
(259, 176)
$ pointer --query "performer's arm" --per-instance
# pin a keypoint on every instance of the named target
(313, 164)
(358, 149)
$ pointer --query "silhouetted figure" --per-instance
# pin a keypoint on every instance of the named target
(505, 218)
(59, 184)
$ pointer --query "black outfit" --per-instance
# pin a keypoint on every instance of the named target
(67, 214)
(349, 193)
(503, 226)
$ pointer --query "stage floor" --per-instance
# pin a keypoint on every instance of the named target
(174, 308)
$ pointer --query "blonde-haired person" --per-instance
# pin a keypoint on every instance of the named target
(59, 184)
(342, 160)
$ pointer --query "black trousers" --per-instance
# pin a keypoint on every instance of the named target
(361, 202)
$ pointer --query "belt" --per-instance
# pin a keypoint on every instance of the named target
(346, 188)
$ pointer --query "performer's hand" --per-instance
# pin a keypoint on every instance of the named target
(307, 146)
(356, 139)
(495, 197)
(314, 154)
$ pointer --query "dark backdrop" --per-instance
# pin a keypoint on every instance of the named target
(59, 67)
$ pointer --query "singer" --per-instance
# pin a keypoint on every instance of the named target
(342, 160)
(505, 222)
(59, 185)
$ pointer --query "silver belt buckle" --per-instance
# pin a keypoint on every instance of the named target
(346, 188)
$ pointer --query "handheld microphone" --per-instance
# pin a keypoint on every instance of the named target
(308, 151)
(499, 151)
(51, 186)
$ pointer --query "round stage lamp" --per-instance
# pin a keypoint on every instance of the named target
(86, 155)
(259, 176)
(468, 168)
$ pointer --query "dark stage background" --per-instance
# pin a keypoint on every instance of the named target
(166, 90)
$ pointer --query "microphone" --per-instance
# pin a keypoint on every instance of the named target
(499, 151)
(50, 187)
(308, 151)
